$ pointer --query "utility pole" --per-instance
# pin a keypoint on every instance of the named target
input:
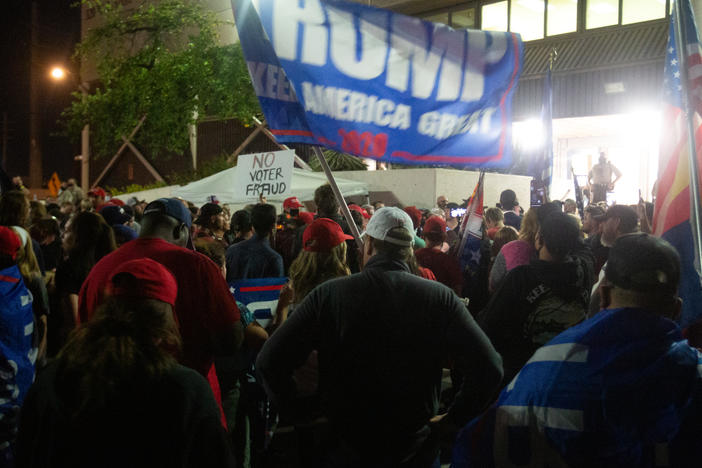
(35, 157)
(85, 149)
(4, 139)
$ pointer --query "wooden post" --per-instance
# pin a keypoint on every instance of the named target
(119, 152)
(143, 160)
(339, 197)
(270, 135)
(246, 142)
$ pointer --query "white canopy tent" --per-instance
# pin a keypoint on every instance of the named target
(303, 186)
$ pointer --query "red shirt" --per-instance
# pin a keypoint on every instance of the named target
(427, 273)
(444, 266)
(204, 306)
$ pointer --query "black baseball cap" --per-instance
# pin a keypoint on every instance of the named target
(508, 199)
(115, 215)
(560, 233)
(645, 263)
(170, 207)
(628, 219)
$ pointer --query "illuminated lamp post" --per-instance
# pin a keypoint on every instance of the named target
(60, 74)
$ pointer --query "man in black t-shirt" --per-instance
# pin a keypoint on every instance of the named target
(536, 302)
(383, 336)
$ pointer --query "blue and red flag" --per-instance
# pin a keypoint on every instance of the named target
(381, 85)
(471, 230)
(260, 296)
(672, 212)
(541, 167)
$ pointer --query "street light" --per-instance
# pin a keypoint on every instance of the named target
(58, 73)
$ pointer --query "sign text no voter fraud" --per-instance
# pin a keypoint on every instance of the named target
(267, 174)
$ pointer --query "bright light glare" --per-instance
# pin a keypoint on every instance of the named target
(535, 5)
(530, 134)
(603, 8)
(58, 73)
(641, 125)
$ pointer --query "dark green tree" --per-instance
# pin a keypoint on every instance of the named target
(338, 162)
(161, 60)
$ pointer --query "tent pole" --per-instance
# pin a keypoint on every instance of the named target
(337, 193)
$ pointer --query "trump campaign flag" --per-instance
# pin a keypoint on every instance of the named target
(673, 207)
(381, 85)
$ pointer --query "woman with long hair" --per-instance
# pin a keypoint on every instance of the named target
(86, 240)
(523, 250)
(322, 258)
(34, 281)
(116, 396)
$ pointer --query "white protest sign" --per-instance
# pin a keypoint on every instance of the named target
(268, 174)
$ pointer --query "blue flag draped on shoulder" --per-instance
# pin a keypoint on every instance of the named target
(381, 85)
(604, 393)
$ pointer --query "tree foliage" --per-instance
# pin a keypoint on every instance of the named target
(338, 162)
(161, 60)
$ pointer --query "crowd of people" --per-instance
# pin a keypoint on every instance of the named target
(122, 344)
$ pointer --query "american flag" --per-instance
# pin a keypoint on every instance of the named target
(672, 213)
(471, 229)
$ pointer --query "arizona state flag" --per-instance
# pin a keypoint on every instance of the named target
(671, 216)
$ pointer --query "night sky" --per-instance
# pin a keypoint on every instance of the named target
(58, 32)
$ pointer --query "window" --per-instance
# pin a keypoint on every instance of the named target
(527, 19)
(602, 13)
(634, 11)
(494, 16)
(463, 19)
(562, 17)
(438, 18)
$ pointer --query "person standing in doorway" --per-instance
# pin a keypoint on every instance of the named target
(600, 179)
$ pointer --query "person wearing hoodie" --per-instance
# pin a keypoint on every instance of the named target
(536, 302)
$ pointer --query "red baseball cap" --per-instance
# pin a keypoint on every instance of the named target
(9, 242)
(115, 202)
(323, 235)
(306, 217)
(292, 203)
(363, 212)
(97, 192)
(435, 224)
(415, 214)
(144, 278)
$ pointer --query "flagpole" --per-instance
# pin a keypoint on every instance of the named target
(695, 217)
(339, 197)
(552, 56)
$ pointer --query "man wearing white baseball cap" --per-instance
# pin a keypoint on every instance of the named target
(383, 336)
